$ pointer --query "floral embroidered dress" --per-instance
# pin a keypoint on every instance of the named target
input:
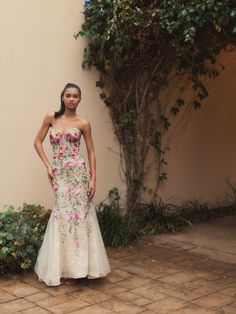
(72, 246)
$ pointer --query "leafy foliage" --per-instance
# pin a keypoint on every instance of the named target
(140, 47)
(117, 229)
(162, 217)
(21, 235)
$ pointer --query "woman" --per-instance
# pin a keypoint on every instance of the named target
(72, 246)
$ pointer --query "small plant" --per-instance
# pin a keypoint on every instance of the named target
(117, 229)
(21, 236)
(159, 217)
(196, 211)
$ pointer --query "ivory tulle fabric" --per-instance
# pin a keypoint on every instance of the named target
(73, 246)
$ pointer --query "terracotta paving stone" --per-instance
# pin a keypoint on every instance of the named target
(127, 296)
(35, 310)
(192, 285)
(121, 273)
(208, 290)
(133, 282)
(225, 281)
(142, 301)
(91, 296)
(180, 278)
(214, 300)
(30, 278)
(68, 306)
(5, 297)
(178, 292)
(116, 253)
(194, 309)
(39, 285)
(60, 290)
(147, 312)
(149, 292)
(93, 309)
(231, 291)
(172, 270)
(119, 306)
(233, 304)
(232, 284)
(15, 306)
(226, 310)
(114, 291)
(38, 296)
(113, 278)
(208, 275)
(206, 283)
(20, 289)
(7, 281)
(138, 270)
(54, 300)
(167, 305)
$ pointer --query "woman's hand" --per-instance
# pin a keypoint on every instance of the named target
(49, 170)
(91, 189)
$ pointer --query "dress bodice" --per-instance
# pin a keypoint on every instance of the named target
(65, 143)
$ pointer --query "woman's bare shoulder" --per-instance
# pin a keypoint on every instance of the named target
(50, 117)
(84, 122)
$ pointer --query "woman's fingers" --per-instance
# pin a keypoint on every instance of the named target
(50, 179)
(91, 192)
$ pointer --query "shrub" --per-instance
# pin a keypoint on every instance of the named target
(21, 236)
(159, 217)
(117, 229)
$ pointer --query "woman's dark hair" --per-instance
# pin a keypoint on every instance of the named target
(59, 113)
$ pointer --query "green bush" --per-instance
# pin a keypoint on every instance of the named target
(160, 217)
(21, 235)
(117, 229)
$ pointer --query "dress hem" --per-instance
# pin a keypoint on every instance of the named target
(75, 277)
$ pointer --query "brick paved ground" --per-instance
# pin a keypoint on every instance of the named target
(163, 274)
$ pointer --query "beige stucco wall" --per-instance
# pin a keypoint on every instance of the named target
(38, 56)
(203, 153)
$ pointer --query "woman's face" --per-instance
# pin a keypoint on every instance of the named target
(71, 98)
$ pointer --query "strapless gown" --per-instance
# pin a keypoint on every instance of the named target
(73, 246)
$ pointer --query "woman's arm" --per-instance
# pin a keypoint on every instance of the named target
(39, 141)
(91, 157)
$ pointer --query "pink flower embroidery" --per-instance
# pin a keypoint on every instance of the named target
(55, 139)
(55, 170)
(68, 164)
(73, 217)
(55, 189)
(77, 243)
(56, 215)
(69, 189)
(77, 191)
(81, 163)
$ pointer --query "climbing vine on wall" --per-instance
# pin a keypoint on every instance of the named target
(140, 47)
